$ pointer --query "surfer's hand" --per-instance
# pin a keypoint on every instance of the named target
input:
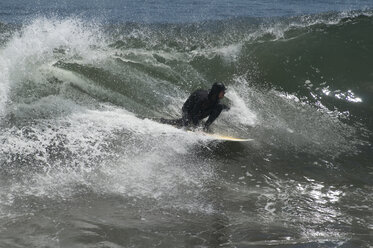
(225, 107)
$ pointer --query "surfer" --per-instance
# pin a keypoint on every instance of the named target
(199, 105)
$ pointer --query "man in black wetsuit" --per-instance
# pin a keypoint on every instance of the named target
(201, 104)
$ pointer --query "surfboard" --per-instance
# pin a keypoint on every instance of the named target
(216, 136)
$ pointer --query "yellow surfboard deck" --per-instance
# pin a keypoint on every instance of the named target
(216, 136)
(213, 136)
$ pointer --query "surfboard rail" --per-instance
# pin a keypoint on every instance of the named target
(216, 136)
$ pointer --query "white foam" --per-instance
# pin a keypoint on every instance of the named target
(239, 111)
(66, 146)
(35, 45)
(109, 151)
(229, 53)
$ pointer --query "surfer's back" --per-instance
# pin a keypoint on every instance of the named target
(196, 97)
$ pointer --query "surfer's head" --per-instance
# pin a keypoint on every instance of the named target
(217, 91)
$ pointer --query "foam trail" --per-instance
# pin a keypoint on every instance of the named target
(109, 151)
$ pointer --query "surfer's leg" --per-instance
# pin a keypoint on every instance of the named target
(185, 121)
(174, 122)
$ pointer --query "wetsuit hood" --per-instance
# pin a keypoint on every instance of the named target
(215, 90)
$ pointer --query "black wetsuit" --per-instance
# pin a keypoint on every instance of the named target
(199, 105)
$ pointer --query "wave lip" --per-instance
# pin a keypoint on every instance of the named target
(32, 49)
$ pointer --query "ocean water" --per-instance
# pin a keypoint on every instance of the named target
(82, 163)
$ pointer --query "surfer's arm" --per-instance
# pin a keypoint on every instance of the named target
(225, 107)
(214, 114)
